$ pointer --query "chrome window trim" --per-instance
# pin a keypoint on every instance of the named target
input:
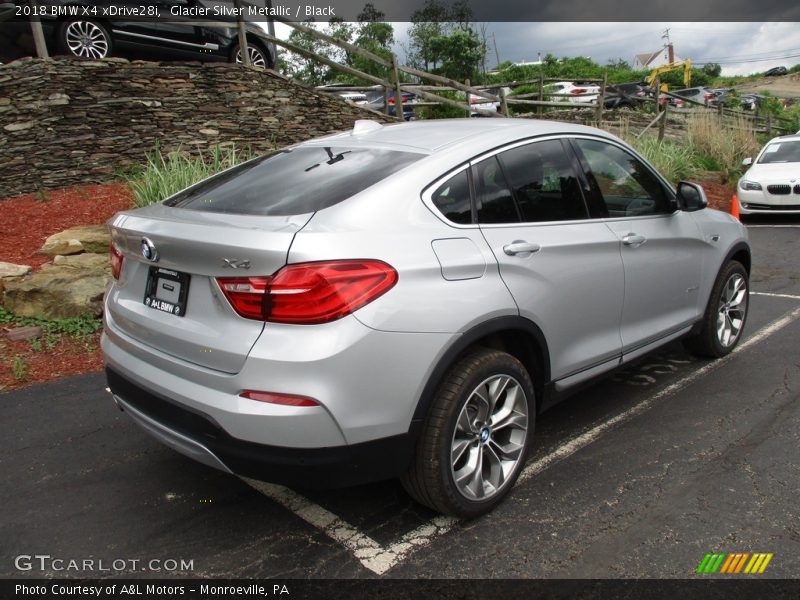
(427, 193)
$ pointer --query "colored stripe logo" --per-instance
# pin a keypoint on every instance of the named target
(734, 563)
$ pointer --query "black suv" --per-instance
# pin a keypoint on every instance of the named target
(88, 34)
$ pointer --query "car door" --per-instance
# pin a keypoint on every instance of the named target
(662, 248)
(563, 269)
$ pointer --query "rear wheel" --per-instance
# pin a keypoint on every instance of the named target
(84, 38)
(258, 58)
(726, 313)
(475, 441)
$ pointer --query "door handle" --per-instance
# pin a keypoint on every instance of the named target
(634, 240)
(520, 247)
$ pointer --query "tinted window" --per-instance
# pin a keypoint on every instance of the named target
(494, 199)
(453, 200)
(544, 184)
(628, 188)
(294, 182)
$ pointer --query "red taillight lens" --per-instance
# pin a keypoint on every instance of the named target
(577, 91)
(115, 256)
(309, 293)
(274, 398)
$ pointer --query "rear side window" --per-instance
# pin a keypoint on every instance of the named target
(544, 183)
(452, 198)
(294, 182)
(495, 202)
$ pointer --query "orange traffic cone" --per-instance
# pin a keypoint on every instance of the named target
(735, 207)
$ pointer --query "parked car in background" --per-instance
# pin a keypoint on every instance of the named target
(630, 95)
(406, 299)
(776, 71)
(377, 101)
(354, 97)
(576, 92)
(771, 184)
(751, 101)
(484, 105)
(701, 94)
(92, 36)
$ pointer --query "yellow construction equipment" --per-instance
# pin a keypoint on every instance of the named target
(686, 65)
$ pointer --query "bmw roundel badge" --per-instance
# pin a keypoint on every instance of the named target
(149, 250)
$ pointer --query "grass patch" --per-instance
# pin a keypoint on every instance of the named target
(722, 145)
(168, 173)
(19, 368)
(75, 327)
(674, 161)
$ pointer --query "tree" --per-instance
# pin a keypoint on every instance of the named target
(442, 40)
(306, 70)
(461, 54)
(712, 69)
(376, 36)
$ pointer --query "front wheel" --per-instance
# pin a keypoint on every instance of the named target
(475, 441)
(84, 38)
(726, 313)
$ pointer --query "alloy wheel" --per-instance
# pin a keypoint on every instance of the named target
(86, 39)
(489, 438)
(732, 310)
(257, 58)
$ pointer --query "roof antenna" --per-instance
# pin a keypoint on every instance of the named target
(365, 126)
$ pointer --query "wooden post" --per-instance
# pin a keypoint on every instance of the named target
(540, 109)
(466, 97)
(398, 94)
(601, 98)
(38, 34)
(242, 33)
(503, 103)
(769, 125)
(662, 124)
(658, 93)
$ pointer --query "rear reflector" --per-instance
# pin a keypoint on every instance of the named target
(309, 293)
(115, 256)
(273, 398)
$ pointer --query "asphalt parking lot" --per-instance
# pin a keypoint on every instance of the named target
(639, 475)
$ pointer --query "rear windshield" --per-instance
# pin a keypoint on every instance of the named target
(293, 182)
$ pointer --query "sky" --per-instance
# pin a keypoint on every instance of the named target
(740, 48)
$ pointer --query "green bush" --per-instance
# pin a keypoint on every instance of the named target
(168, 173)
(674, 161)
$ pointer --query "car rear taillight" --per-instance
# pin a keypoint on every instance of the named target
(577, 91)
(275, 398)
(115, 256)
(309, 293)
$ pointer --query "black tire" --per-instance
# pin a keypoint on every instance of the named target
(709, 342)
(259, 57)
(84, 38)
(431, 478)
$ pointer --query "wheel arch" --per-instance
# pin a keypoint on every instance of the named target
(518, 336)
(739, 252)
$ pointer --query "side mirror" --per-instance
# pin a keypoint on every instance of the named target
(747, 162)
(691, 197)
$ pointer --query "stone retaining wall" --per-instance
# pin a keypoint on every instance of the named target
(67, 121)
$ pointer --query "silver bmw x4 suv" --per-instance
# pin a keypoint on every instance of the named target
(403, 300)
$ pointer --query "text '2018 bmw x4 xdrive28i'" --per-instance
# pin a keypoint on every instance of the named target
(403, 300)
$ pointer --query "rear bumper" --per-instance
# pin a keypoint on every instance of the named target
(198, 436)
